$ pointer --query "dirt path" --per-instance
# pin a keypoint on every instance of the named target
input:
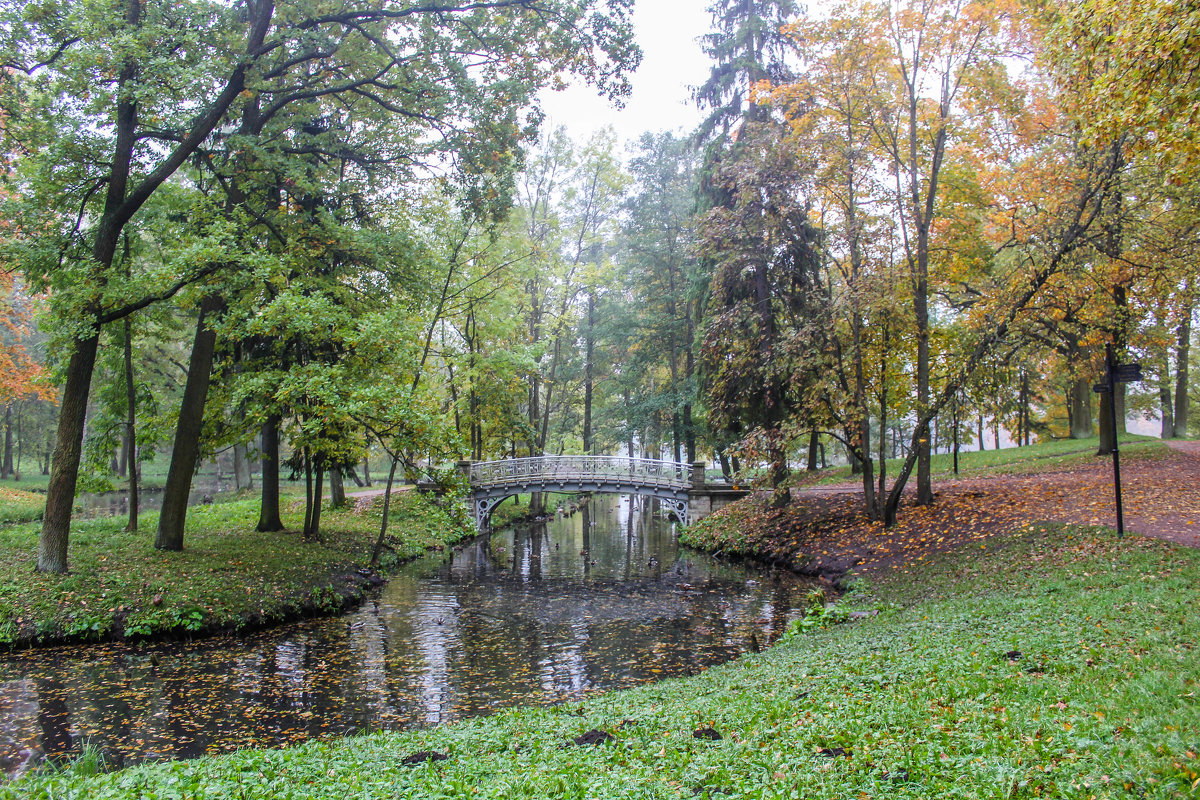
(1161, 494)
(826, 532)
(363, 498)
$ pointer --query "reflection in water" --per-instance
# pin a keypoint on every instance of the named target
(541, 613)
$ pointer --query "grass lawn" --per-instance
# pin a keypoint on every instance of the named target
(1050, 662)
(19, 505)
(228, 577)
(1041, 457)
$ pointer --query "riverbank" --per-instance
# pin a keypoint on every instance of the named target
(229, 578)
(825, 531)
(1051, 661)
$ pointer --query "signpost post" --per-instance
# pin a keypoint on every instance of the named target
(1115, 373)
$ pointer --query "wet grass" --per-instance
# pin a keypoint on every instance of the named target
(228, 577)
(1051, 662)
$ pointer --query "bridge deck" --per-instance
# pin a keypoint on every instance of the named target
(580, 469)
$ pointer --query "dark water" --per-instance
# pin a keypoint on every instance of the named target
(541, 614)
(116, 503)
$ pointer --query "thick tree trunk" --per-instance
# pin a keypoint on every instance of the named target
(337, 488)
(814, 439)
(268, 515)
(1165, 405)
(1081, 409)
(64, 467)
(367, 469)
(186, 451)
(131, 428)
(1183, 345)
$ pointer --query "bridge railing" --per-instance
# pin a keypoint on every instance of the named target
(643, 471)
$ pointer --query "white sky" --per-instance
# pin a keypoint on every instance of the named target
(672, 63)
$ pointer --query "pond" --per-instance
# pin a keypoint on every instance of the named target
(90, 505)
(537, 614)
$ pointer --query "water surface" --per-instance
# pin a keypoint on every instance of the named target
(538, 614)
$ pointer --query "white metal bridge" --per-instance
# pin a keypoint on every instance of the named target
(492, 482)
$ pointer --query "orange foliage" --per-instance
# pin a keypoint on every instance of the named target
(20, 375)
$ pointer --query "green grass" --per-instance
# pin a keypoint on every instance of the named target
(19, 505)
(1056, 662)
(1041, 457)
(228, 576)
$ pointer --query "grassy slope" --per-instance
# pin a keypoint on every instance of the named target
(227, 577)
(1101, 702)
(1052, 455)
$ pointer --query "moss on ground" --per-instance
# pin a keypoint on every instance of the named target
(227, 578)
(1053, 661)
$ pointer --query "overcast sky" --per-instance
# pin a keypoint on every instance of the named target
(672, 62)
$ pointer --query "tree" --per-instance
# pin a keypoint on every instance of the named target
(748, 47)
(766, 309)
(665, 281)
(155, 80)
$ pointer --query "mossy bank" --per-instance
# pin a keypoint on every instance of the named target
(1049, 662)
(228, 577)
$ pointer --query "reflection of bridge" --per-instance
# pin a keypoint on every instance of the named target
(680, 487)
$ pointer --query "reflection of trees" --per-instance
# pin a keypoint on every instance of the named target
(19, 747)
(511, 620)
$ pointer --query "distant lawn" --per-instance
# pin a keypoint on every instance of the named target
(228, 577)
(18, 505)
(1054, 662)
(1041, 457)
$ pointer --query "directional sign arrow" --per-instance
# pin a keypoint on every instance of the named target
(1127, 373)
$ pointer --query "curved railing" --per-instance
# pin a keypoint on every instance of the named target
(565, 469)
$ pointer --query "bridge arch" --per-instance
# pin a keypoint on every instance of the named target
(492, 482)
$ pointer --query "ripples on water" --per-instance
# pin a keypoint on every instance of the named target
(539, 614)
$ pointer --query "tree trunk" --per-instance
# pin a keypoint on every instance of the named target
(1166, 407)
(64, 466)
(387, 504)
(337, 488)
(268, 515)
(781, 495)
(313, 534)
(6, 466)
(367, 469)
(186, 451)
(982, 443)
(241, 468)
(814, 439)
(954, 421)
(589, 374)
(1081, 409)
(131, 428)
(1182, 354)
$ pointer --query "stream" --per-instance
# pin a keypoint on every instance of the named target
(535, 614)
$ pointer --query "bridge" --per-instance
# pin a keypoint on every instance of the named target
(681, 488)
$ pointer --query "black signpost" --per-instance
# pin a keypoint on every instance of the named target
(1115, 373)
